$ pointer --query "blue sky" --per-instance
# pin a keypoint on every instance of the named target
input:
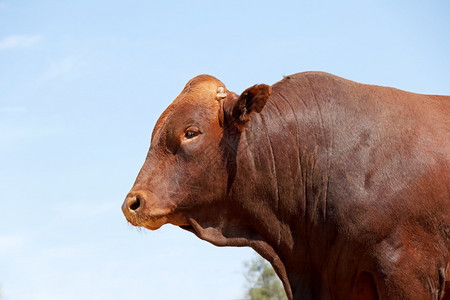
(81, 86)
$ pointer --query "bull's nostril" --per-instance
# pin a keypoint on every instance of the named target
(136, 203)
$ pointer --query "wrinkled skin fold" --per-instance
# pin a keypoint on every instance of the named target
(343, 187)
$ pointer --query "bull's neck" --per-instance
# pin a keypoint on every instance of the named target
(284, 164)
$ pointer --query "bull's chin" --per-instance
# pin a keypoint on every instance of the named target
(154, 224)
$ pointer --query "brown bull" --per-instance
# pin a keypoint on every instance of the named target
(343, 187)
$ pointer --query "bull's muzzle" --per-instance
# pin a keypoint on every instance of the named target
(144, 209)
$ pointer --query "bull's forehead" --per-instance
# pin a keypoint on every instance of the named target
(201, 92)
(202, 88)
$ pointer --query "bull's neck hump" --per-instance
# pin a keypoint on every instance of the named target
(289, 146)
(286, 154)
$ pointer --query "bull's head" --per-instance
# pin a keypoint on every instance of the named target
(191, 165)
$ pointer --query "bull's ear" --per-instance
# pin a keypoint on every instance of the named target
(251, 101)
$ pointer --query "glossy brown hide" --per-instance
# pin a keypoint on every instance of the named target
(343, 187)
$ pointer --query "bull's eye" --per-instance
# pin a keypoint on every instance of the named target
(189, 134)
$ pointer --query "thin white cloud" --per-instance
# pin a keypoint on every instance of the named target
(19, 41)
(67, 68)
(62, 67)
(10, 243)
(10, 136)
(67, 252)
(82, 210)
(13, 109)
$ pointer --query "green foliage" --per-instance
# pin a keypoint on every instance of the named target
(263, 282)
